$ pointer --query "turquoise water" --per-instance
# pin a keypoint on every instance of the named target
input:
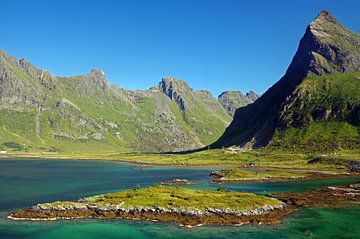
(27, 182)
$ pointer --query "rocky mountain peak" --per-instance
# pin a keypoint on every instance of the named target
(232, 100)
(174, 89)
(326, 47)
(252, 95)
(327, 30)
(172, 82)
(97, 73)
(97, 77)
(323, 18)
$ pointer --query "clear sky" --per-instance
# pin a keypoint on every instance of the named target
(214, 45)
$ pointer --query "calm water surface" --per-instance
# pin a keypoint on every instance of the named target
(25, 182)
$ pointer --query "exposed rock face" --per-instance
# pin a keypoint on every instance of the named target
(172, 88)
(326, 47)
(14, 89)
(252, 96)
(232, 100)
(99, 80)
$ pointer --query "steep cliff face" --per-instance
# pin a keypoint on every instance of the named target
(326, 48)
(232, 100)
(174, 88)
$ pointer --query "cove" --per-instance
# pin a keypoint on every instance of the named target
(26, 182)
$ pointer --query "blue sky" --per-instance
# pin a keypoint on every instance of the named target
(214, 45)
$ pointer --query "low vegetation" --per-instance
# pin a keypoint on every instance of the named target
(166, 196)
(221, 157)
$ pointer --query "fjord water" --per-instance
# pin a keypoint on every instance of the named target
(25, 182)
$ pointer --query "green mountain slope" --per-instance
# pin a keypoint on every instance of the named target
(315, 104)
(40, 112)
(321, 115)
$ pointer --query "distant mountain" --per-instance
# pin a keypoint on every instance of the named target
(315, 105)
(232, 100)
(41, 112)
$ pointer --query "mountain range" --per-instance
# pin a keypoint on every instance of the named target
(86, 113)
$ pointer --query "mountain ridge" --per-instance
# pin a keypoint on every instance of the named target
(254, 125)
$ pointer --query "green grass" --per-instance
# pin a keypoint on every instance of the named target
(177, 197)
(326, 121)
(214, 157)
(325, 137)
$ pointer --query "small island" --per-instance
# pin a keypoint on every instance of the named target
(177, 182)
(240, 175)
(186, 207)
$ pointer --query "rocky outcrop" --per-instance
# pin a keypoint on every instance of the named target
(267, 214)
(324, 197)
(252, 95)
(173, 88)
(354, 166)
(14, 85)
(177, 182)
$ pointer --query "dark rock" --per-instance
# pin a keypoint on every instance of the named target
(354, 166)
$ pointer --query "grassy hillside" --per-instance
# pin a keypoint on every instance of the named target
(324, 115)
(85, 114)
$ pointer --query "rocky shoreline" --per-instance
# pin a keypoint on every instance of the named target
(341, 196)
(184, 217)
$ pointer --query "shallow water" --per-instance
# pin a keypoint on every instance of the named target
(28, 182)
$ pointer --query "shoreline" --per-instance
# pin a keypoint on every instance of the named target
(187, 207)
(330, 197)
(144, 163)
(316, 174)
(272, 215)
(136, 162)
